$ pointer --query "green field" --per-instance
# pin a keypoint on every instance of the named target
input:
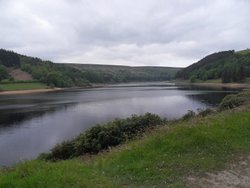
(165, 156)
(22, 86)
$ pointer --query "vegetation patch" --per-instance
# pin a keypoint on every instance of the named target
(101, 137)
(3, 73)
(21, 86)
(116, 74)
(229, 66)
(52, 74)
(235, 100)
(244, 52)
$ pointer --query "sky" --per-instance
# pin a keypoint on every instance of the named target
(174, 33)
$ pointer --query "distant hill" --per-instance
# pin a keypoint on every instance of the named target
(68, 75)
(113, 73)
(229, 66)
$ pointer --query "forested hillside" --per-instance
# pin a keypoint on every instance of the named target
(53, 74)
(229, 66)
(68, 75)
(110, 73)
(7, 59)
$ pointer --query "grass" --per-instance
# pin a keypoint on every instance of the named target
(22, 86)
(244, 52)
(64, 174)
(163, 157)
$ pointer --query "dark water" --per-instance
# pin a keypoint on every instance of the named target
(34, 123)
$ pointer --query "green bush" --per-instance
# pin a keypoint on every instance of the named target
(205, 112)
(63, 150)
(3, 72)
(235, 100)
(230, 101)
(193, 79)
(190, 114)
(101, 137)
(26, 67)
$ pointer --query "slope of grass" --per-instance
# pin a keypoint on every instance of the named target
(163, 157)
(244, 52)
(22, 86)
(40, 174)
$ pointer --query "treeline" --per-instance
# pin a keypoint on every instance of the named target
(3, 72)
(68, 75)
(229, 66)
(116, 74)
(235, 73)
(53, 74)
(44, 71)
(7, 59)
(101, 137)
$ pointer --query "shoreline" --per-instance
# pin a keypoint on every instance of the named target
(218, 85)
(29, 91)
(208, 85)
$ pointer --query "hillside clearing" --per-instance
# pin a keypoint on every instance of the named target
(18, 74)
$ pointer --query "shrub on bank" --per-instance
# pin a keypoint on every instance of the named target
(101, 137)
(190, 114)
(205, 112)
(200, 112)
(235, 100)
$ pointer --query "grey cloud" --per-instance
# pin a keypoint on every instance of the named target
(139, 32)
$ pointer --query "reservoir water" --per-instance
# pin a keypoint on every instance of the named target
(33, 123)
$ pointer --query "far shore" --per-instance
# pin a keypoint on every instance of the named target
(225, 85)
(29, 91)
(204, 84)
(218, 85)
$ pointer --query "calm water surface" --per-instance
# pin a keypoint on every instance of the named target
(34, 123)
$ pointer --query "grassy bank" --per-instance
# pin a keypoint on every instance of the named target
(22, 86)
(165, 156)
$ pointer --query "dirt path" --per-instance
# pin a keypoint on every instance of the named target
(236, 175)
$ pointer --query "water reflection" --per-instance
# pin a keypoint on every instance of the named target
(211, 99)
(31, 124)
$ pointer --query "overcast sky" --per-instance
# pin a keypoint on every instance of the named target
(125, 32)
